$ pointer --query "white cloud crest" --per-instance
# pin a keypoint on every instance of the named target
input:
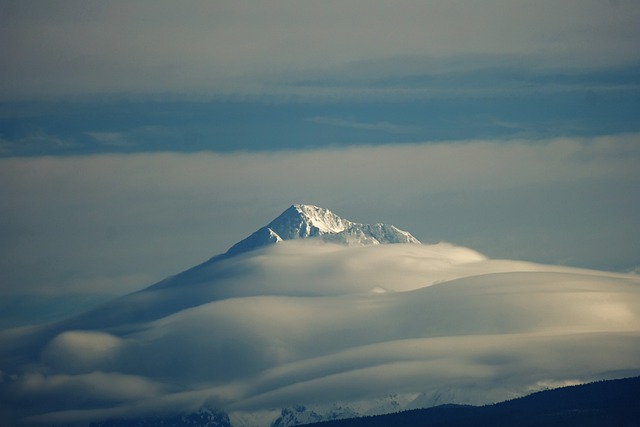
(300, 323)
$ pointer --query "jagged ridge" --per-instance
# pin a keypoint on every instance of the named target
(308, 221)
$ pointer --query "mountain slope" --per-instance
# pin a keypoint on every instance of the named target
(223, 275)
(308, 221)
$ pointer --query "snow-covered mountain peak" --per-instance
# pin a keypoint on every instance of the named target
(240, 335)
(301, 221)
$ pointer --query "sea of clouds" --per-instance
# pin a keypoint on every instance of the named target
(312, 323)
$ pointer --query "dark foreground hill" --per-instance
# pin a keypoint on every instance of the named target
(599, 404)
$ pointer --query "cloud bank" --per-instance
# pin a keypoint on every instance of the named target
(317, 323)
(291, 48)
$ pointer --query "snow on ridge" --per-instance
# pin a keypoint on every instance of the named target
(323, 219)
(302, 221)
(274, 236)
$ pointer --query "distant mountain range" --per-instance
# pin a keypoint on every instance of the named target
(598, 404)
(314, 318)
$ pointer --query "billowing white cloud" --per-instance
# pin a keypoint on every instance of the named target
(81, 352)
(303, 322)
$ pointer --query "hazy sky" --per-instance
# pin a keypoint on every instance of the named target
(291, 49)
(139, 139)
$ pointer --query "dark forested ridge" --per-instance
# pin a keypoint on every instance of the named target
(599, 404)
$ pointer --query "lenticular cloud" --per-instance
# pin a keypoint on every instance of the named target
(369, 328)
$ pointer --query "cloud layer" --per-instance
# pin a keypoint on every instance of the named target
(292, 48)
(365, 320)
(316, 323)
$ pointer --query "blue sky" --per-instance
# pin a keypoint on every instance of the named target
(138, 139)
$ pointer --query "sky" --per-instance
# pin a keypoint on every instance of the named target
(140, 139)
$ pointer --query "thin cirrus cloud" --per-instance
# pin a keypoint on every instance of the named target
(114, 139)
(375, 126)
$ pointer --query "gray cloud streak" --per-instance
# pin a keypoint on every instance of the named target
(75, 48)
(376, 126)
